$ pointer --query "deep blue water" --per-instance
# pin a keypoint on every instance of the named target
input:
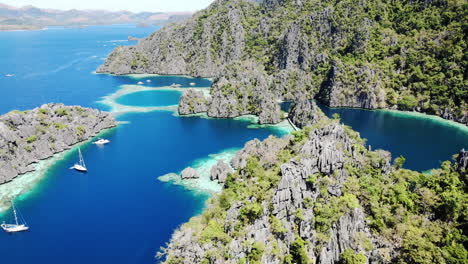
(119, 212)
(150, 98)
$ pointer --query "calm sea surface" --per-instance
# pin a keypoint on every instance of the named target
(119, 212)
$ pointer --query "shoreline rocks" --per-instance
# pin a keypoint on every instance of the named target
(249, 75)
(29, 136)
(220, 171)
(192, 102)
(305, 113)
(189, 173)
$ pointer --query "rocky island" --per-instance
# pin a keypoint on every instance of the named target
(29, 136)
(368, 54)
(320, 196)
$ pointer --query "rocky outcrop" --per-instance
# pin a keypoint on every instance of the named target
(189, 173)
(460, 118)
(290, 206)
(220, 171)
(293, 42)
(193, 47)
(462, 161)
(244, 89)
(353, 86)
(192, 102)
(267, 149)
(29, 136)
(305, 113)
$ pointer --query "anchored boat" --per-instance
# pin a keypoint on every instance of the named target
(81, 167)
(101, 141)
(18, 227)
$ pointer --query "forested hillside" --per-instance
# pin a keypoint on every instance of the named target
(320, 196)
(408, 55)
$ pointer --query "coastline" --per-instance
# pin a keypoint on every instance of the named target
(25, 184)
(412, 114)
(203, 166)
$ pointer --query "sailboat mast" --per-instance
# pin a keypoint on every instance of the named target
(82, 160)
(14, 212)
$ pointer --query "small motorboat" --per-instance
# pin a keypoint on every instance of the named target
(101, 141)
(81, 167)
(9, 75)
(175, 85)
(18, 227)
(140, 83)
(148, 80)
(192, 84)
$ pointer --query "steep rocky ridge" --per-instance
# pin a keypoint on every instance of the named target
(29, 136)
(319, 196)
(305, 113)
(368, 54)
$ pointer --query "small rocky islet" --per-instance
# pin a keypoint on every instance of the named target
(366, 55)
(29, 136)
(319, 195)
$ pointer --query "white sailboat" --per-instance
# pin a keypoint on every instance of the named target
(101, 141)
(11, 228)
(81, 165)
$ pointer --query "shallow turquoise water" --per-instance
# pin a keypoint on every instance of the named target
(151, 98)
(119, 212)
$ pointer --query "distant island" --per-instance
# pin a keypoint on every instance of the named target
(33, 18)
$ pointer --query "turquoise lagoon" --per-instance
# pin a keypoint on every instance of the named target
(119, 212)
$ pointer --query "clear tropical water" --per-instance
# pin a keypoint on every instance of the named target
(150, 98)
(119, 212)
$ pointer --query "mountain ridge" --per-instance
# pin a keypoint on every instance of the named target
(369, 54)
(30, 17)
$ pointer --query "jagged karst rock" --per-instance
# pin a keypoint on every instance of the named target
(29, 136)
(364, 90)
(267, 150)
(244, 89)
(462, 161)
(220, 171)
(189, 173)
(291, 203)
(305, 113)
(192, 102)
(295, 54)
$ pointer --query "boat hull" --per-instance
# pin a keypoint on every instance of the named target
(79, 168)
(9, 228)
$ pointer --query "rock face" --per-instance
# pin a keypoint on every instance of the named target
(305, 113)
(220, 171)
(289, 46)
(192, 102)
(29, 136)
(189, 173)
(290, 205)
(462, 161)
(364, 90)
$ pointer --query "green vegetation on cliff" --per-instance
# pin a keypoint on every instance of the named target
(410, 217)
(409, 55)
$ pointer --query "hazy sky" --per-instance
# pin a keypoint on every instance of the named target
(114, 5)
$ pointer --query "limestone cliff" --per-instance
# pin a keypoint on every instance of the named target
(367, 54)
(319, 196)
(285, 214)
(29, 136)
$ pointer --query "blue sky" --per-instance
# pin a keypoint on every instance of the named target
(114, 5)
